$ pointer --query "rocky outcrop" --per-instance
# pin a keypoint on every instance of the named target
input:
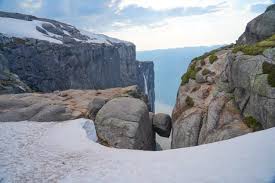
(206, 111)
(124, 123)
(253, 94)
(60, 105)
(58, 56)
(234, 97)
(230, 91)
(259, 28)
(9, 82)
(162, 124)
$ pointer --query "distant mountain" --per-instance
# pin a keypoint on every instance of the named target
(170, 64)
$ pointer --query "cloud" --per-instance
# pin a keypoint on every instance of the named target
(150, 24)
(31, 5)
(105, 14)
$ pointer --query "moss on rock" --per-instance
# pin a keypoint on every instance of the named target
(253, 123)
(205, 72)
(256, 49)
(213, 58)
(189, 101)
(190, 74)
(269, 69)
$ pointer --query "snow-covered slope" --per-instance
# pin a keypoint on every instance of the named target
(65, 152)
(26, 26)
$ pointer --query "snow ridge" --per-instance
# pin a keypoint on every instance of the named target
(53, 32)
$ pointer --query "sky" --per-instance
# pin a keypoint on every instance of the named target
(151, 24)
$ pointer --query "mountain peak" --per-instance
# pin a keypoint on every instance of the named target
(270, 8)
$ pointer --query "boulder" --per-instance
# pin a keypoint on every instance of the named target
(162, 124)
(95, 105)
(124, 123)
(57, 106)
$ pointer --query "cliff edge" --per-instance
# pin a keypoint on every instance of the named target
(47, 55)
(228, 92)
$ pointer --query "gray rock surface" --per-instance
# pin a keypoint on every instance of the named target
(212, 112)
(124, 123)
(259, 28)
(95, 105)
(254, 96)
(186, 130)
(162, 124)
(57, 106)
(84, 64)
(235, 99)
(9, 82)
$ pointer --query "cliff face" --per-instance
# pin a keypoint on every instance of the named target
(259, 28)
(226, 93)
(48, 55)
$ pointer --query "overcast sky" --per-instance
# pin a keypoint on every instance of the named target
(151, 24)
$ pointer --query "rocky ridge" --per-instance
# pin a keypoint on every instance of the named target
(228, 92)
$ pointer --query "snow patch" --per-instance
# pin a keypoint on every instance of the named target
(27, 29)
(24, 29)
(63, 152)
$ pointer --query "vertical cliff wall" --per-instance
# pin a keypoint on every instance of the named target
(48, 55)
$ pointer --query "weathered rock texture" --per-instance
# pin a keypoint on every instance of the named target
(259, 28)
(212, 115)
(231, 95)
(59, 106)
(9, 82)
(162, 124)
(124, 123)
(234, 88)
(78, 62)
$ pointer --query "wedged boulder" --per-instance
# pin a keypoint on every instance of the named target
(162, 124)
(95, 105)
(124, 123)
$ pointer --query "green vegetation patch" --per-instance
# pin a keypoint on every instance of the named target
(189, 101)
(256, 49)
(264, 44)
(253, 123)
(190, 74)
(205, 72)
(213, 58)
(269, 69)
(249, 49)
